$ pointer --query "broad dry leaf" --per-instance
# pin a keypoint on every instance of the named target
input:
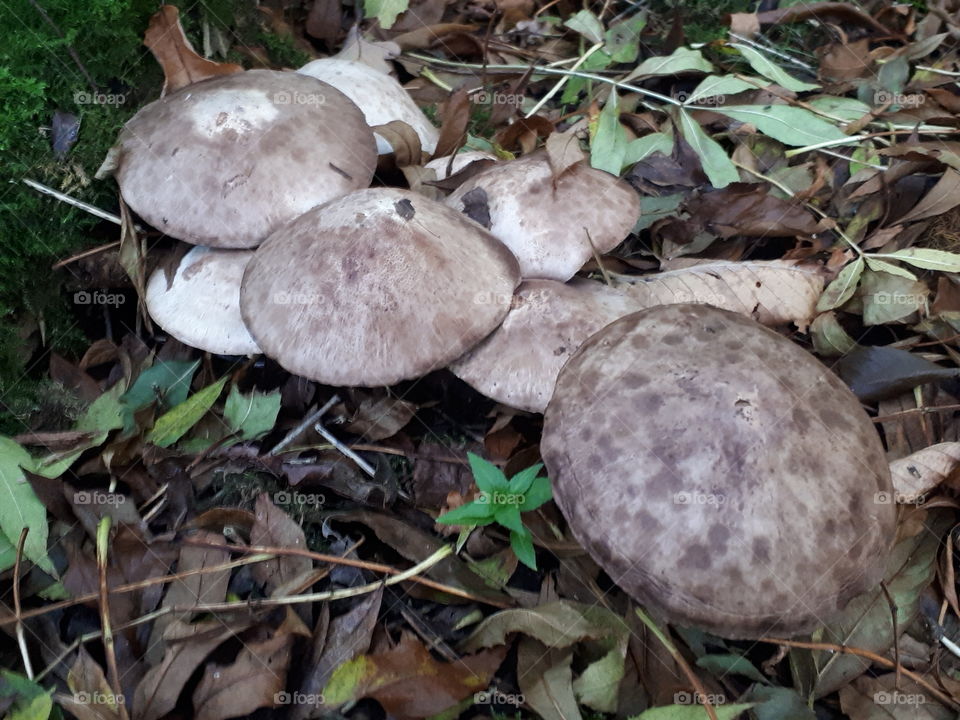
(403, 140)
(275, 528)
(772, 292)
(749, 209)
(93, 698)
(181, 64)
(546, 680)
(917, 474)
(890, 697)
(943, 197)
(564, 151)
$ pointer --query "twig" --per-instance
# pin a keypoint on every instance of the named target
(681, 661)
(103, 540)
(86, 253)
(773, 51)
(896, 632)
(70, 200)
(562, 81)
(913, 411)
(301, 428)
(344, 450)
(21, 636)
(867, 655)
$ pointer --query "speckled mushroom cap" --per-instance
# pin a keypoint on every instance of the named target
(201, 306)
(518, 363)
(381, 98)
(716, 470)
(375, 287)
(543, 222)
(226, 161)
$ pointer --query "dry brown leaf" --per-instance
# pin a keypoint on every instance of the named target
(181, 64)
(324, 20)
(746, 24)
(943, 197)
(749, 209)
(916, 475)
(890, 697)
(93, 698)
(564, 151)
(424, 37)
(403, 140)
(455, 116)
(275, 528)
(772, 292)
(378, 415)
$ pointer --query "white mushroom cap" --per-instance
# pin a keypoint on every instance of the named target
(201, 307)
(719, 472)
(518, 364)
(381, 98)
(226, 161)
(375, 287)
(545, 223)
(460, 161)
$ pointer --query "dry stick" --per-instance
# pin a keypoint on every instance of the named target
(926, 410)
(86, 253)
(301, 428)
(21, 637)
(679, 659)
(73, 53)
(69, 200)
(362, 564)
(436, 557)
(103, 539)
(344, 450)
(130, 587)
(866, 654)
(896, 632)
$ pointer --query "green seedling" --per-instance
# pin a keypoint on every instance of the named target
(501, 501)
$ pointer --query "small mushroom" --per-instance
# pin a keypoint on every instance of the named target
(381, 98)
(226, 161)
(550, 223)
(718, 472)
(201, 305)
(375, 287)
(518, 363)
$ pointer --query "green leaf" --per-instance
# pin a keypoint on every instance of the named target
(692, 712)
(587, 24)
(639, 148)
(473, 513)
(540, 491)
(790, 125)
(489, 477)
(385, 11)
(521, 482)
(509, 517)
(847, 109)
(28, 700)
(20, 508)
(881, 266)
(522, 544)
(599, 684)
(890, 298)
(681, 60)
(608, 142)
(778, 703)
(251, 415)
(842, 287)
(714, 85)
(174, 424)
(166, 383)
(766, 67)
(105, 413)
(829, 337)
(718, 167)
(622, 40)
(731, 664)
(926, 259)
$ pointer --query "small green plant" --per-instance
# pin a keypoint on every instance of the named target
(501, 501)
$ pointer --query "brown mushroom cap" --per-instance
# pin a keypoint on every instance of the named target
(226, 161)
(375, 287)
(717, 471)
(201, 306)
(379, 95)
(545, 223)
(518, 363)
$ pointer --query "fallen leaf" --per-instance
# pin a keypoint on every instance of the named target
(917, 474)
(181, 64)
(273, 527)
(877, 373)
(890, 697)
(749, 209)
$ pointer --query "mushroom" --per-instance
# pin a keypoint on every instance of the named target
(381, 98)
(224, 162)
(718, 472)
(200, 306)
(550, 223)
(375, 287)
(518, 363)
(449, 165)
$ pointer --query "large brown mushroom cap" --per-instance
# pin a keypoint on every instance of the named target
(716, 470)
(375, 287)
(201, 305)
(545, 221)
(226, 161)
(518, 363)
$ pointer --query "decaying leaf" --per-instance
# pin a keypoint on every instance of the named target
(876, 373)
(273, 527)
(181, 64)
(917, 474)
(749, 209)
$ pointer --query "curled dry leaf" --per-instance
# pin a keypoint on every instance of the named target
(921, 472)
(181, 64)
(275, 528)
(773, 292)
